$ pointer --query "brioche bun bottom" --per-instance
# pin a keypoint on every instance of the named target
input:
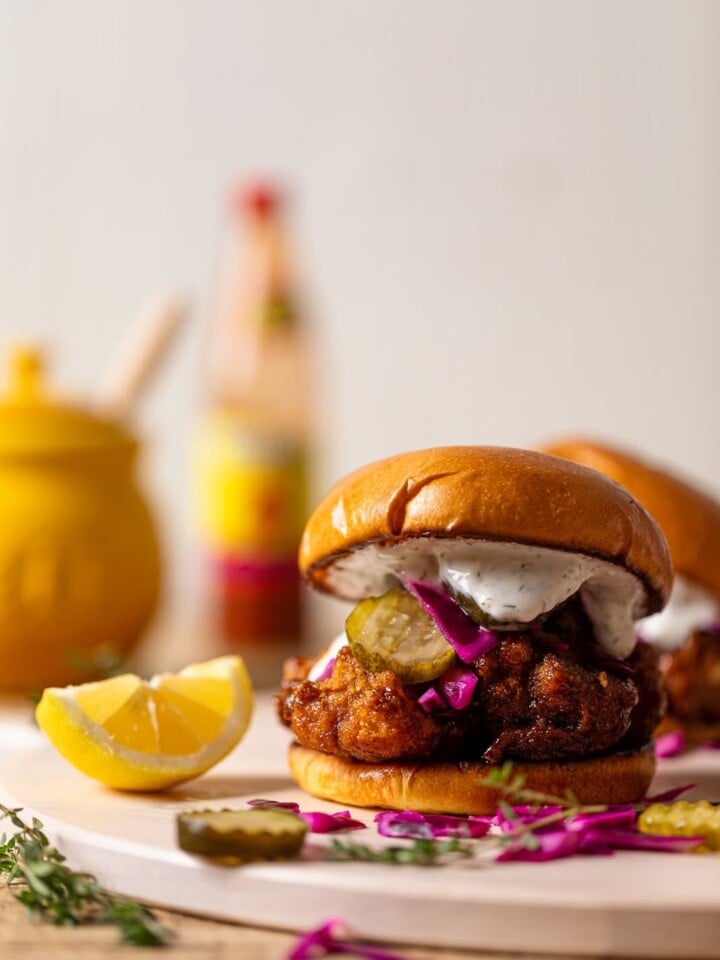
(695, 733)
(461, 787)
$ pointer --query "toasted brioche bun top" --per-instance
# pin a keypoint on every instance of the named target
(486, 493)
(689, 518)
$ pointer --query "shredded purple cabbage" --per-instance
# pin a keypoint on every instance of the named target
(670, 744)
(413, 825)
(552, 643)
(317, 821)
(597, 834)
(328, 939)
(551, 845)
(621, 817)
(468, 640)
(523, 814)
(603, 659)
(457, 686)
(634, 840)
(327, 670)
(667, 796)
(452, 691)
(431, 701)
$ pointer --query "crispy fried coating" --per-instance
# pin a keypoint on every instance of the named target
(542, 694)
(692, 678)
(355, 713)
(652, 701)
(541, 704)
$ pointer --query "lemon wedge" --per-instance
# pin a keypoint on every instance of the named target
(136, 734)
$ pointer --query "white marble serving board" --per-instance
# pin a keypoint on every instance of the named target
(629, 904)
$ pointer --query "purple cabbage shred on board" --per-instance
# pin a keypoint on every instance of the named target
(320, 822)
(634, 840)
(620, 817)
(523, 815)
(332, 937)
(670, 744)
(467, 638)
(552, 845)
(598, 834)
(413, 825)
(317, 821)
(667, 796)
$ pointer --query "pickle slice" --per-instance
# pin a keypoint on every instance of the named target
(471, 608)
(394, 633)
(477, 614)
(240, 836)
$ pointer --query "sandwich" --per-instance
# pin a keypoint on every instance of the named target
(687, 632)
(495, 593)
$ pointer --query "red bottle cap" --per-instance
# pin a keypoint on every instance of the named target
(259, 198)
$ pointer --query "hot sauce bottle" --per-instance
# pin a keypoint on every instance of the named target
(251, 452)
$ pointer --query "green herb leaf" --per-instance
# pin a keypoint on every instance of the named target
(530, 841)
(421, 851)
(512, 787)
(48, 888)
(507, 811)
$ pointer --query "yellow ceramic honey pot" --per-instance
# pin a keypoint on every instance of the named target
(79, 558)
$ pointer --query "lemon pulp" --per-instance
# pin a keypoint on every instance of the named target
(136, 734)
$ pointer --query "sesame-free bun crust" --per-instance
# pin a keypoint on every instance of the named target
(488, 493)
(461, 787)
(689, 518)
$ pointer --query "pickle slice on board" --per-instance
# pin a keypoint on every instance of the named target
(393, 632)
(241, 836)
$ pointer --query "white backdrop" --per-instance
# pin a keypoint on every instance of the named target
(507, 213)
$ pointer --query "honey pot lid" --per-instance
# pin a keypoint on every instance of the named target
(34, 421)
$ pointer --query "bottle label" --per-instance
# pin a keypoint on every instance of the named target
(274, 312)
(252, 496)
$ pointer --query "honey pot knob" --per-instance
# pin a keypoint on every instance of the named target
(26, 373)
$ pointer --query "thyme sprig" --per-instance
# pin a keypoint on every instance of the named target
(423, 852)
(512, 786)
(39, 878)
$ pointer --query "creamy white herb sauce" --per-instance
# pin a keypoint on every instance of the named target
(690, 608)
(513, 583)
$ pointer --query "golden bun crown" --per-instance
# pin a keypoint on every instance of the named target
(486, 493)
(689, 518)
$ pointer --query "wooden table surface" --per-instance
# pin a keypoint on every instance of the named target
(22, 938)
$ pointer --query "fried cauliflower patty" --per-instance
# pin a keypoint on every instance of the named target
(543, 694)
